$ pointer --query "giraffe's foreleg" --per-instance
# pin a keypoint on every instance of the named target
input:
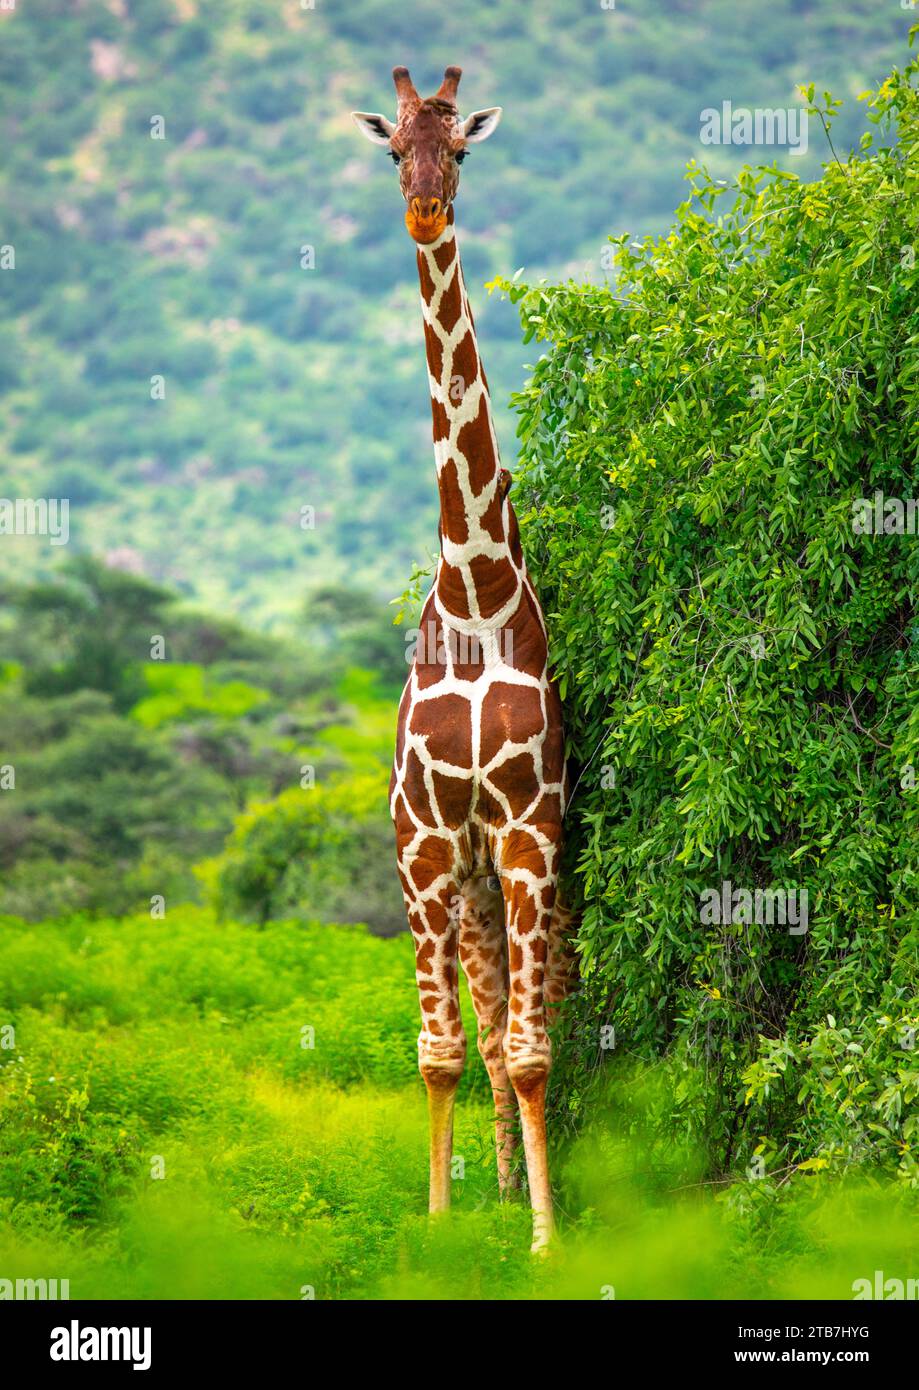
(433, 916)
(529, 885)
(483, 954)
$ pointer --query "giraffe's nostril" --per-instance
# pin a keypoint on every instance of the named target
(425, 208)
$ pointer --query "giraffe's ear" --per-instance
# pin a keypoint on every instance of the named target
(376, 128)
(480, 124)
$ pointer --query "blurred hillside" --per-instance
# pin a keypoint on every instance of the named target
(180, 257)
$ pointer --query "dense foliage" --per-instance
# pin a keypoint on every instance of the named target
(284, 387)
(739, 662)
(134, 731)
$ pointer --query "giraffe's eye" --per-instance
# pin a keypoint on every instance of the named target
(460, 156)
(396, 158)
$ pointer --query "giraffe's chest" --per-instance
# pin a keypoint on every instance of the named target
(479, 738)
(471, 693)
(468, 725)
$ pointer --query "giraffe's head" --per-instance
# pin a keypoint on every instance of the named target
(428, 144)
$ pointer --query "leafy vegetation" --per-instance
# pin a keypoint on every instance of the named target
(135, 731)
(739, 660)
(165, 1133)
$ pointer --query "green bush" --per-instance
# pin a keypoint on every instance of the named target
(324, 852)
(124, 768)
(739, 665)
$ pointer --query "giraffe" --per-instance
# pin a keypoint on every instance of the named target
(479, 785)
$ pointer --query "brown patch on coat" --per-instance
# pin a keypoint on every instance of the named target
(454, 797)
(426, 279)
(451, 306)
(432, 860)
(475, 442)
(527, 642)
(521, 850)
(491, 519)
(445, 723)
(495, 582)
(440, 421)
(451, 587)
(414, 790)
(510, 714)
(516, 779)
(452, 508)
(434, 349)
(444, 254)
(465, 364)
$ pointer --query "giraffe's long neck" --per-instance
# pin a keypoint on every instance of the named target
(479, 573)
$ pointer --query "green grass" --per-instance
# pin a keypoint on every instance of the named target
(175, 1047)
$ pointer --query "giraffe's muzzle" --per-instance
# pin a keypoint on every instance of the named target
(425, 219)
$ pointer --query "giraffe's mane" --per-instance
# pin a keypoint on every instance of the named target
(445, 108)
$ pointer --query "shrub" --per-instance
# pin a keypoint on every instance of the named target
(738, 662)
(323, 852)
